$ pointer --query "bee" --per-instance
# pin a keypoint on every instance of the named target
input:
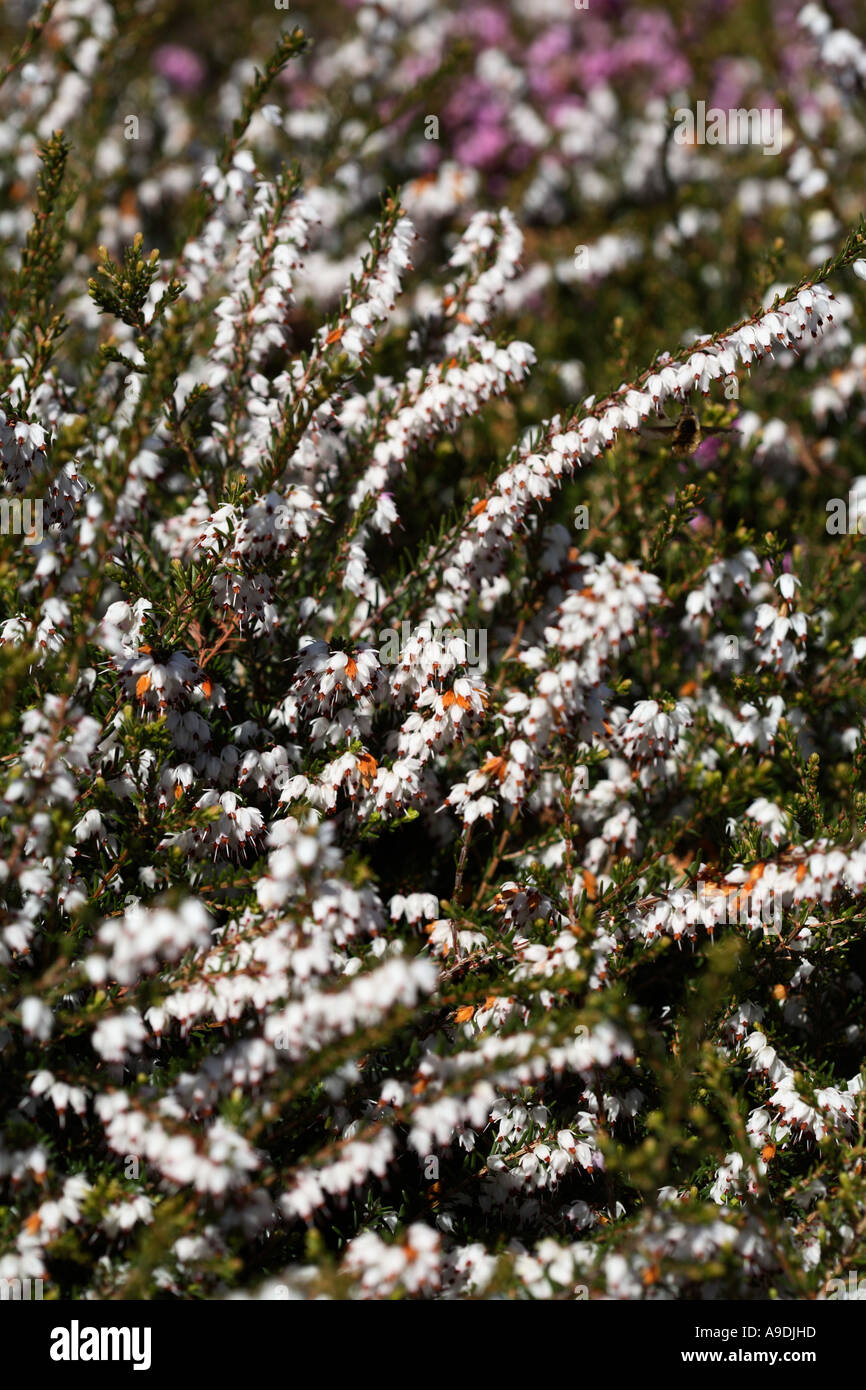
(686, 431)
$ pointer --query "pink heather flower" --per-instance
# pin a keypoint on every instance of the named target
(550, 45)
(180, 66)
(489, 25)
(481, 146)
(708, 450)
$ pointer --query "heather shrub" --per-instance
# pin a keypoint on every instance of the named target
(432, 796)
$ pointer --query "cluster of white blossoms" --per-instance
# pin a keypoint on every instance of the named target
(839, 48)
(213, 1163)
(133, 944)
(251, 316)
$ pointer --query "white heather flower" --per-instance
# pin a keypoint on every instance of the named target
(36, 1018)
(141, 937)
(121, 1217)
(774, 821)
(787, 585)
(118, 1035)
